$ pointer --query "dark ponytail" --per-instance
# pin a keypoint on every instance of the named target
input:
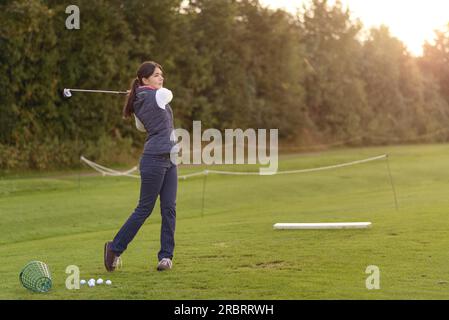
(145, 70)
(128, 109)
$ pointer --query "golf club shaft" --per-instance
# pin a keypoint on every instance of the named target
(98, 91)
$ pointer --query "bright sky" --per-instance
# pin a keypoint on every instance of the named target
(412, 21)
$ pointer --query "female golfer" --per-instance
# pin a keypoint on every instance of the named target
(148, 102)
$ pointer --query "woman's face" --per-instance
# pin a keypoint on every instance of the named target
(156, 80)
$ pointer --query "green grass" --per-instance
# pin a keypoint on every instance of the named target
(230, 251)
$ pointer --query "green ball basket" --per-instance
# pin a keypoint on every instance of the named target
(36, 277)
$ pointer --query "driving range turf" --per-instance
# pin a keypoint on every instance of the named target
(228, 248)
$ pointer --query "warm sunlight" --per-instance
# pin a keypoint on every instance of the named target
(412, 21)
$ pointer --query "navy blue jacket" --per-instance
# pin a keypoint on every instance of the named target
(158, 122)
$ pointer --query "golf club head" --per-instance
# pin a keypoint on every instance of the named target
(67, 94)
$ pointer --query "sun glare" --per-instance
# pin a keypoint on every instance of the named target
(412, 21)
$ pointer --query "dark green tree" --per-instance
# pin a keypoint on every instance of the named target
(335, 97)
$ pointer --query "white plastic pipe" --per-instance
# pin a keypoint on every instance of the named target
(321, 226)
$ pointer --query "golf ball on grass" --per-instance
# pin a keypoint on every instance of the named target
(91, 283)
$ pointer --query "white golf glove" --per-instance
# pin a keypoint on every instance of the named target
(163, 97)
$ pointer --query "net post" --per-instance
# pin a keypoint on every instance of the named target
(204, 192)
(392, 183)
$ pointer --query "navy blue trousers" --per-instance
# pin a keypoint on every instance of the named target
(158, 177)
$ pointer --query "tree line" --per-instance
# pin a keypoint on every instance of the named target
(318, 76)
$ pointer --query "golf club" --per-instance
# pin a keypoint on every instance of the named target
(68, 92)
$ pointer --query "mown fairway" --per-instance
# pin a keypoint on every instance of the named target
(230, 251)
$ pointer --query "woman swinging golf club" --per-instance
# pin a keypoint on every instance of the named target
(148, 102)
